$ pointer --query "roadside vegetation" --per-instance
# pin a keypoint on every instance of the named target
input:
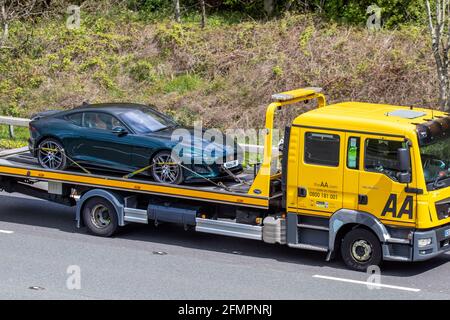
(223, 73)
(20, 138)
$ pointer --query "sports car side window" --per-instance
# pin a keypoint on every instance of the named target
(99, 120)
(75, 118)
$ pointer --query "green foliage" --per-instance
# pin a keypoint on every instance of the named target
(20, 137)
(277, 71)
(304, 39)
(183, 84)
(184, 116)
(143, 71)
(234, 64)
(105, 80)
(394, 12)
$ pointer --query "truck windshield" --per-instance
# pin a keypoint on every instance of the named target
(436, 163)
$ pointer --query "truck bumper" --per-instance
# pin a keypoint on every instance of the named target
(440, 243)
(414, 249)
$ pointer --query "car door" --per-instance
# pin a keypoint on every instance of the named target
(102, 147)
(320, 171)
(380, 193)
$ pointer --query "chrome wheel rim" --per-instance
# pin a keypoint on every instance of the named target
(50, 155)
(165, 169)
(100, 217)
(361, 250)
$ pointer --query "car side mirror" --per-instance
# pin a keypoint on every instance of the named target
(120, 131)
(404, 165)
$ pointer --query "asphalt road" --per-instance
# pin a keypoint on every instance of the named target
(39, 242)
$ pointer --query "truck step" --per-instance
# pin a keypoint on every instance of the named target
(312, 226)
(308, 247)
(135, 215)
(228, 228)
(395, 258)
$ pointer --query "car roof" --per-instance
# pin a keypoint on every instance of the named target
(115, 108)
(111, 106)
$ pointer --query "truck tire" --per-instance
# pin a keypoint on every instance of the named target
(51, 154)
(360, 249)
(100, 217)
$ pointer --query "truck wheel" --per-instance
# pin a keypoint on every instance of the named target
(51, 154)
(165, 168)
(100, 217)
(361, 249)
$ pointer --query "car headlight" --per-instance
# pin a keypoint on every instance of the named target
(424, 242)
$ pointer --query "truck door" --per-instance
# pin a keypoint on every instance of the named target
(380, 193)
(320, 171)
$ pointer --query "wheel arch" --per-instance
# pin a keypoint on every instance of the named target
(156, 151)
(47, 136)
(115, 199)
(344, 220)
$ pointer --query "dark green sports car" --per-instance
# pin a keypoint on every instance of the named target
(129, 138)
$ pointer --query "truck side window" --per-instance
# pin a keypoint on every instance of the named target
(381, 156)
(322, 149)
(353, 153)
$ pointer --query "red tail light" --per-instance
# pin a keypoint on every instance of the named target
(31, 128)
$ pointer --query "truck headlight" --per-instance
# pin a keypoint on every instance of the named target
(443, 210)
(424, 242)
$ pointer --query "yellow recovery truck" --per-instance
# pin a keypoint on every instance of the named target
(370, 181)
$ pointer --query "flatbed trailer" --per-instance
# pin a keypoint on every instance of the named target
(339, 187)
(20, 172)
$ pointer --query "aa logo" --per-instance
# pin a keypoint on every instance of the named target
(391, 207)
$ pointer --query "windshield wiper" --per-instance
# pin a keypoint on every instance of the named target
(160, 129)
(439, 178)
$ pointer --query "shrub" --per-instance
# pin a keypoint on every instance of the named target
(143, 71)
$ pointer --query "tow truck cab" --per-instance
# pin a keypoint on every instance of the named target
(362, 168)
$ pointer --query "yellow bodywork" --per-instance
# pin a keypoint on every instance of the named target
(261, 184)
(334, 188)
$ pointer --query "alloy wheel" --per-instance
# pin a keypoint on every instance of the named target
(51, 155)
(165, 169)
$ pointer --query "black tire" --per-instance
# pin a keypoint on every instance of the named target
(360, 249)
(164, 170)
(51, 154)
(100, 217)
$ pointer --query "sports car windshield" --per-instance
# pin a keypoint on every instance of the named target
(146, 121)
(436, 163)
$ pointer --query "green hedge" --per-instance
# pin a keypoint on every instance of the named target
(394, 12)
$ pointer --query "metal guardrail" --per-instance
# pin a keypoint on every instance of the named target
(13, 122)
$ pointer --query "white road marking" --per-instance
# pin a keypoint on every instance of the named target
(375, 285)
(6, 231)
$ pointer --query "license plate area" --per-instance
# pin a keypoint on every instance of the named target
(231, 164)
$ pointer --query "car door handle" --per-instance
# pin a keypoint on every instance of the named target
(363, 199)
(302, 192)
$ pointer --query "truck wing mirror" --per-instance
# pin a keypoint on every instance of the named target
(404, 165)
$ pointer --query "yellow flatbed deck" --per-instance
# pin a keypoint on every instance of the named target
(17, 163)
